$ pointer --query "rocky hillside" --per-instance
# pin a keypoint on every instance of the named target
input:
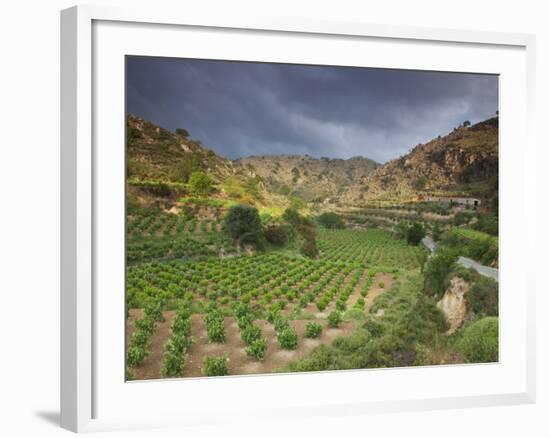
(154, 153)
(310, 178)
(160, 162)
(464, 162)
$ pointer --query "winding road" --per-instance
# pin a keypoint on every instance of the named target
(486, 271)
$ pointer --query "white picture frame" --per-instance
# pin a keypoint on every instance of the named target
(92, 40)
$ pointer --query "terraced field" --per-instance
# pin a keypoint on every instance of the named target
(253, 313)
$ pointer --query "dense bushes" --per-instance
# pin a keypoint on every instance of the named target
(277, 234)
(410, 326)
(313, 330)
(488, 223)
(483, 293)
(215, 325)
(176, 348)
(330, 220)
(479, 341)
(200, 183)
(215, 366)
(243, 222)
(415, 234)
(436, 271)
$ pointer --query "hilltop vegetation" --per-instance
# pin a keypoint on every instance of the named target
(312, 179)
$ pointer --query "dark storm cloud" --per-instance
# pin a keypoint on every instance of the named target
(240, 109)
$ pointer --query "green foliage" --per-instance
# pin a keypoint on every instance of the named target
(483, 297)
(186, 166)
(472, 243)
(215, 366)
(200, 183)
(410, 326)
(257, 349)
(309, 249)
(479, 341)
(313, 330)
(182, 132)
(277, 234)
(288, 338)
(330, 220)
(243, 222)
(462, 218)
(291, 216)
(487, 223)
(415, 233)
(436, 271)
(215, 325)
(135, 355)
(436, 232)
(334, 319)
(251, 333)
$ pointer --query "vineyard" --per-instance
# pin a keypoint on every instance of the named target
(193, 313)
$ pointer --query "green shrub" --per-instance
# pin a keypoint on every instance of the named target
(215, 325)
(313, 330)
(172, 364)
(243, 222)
(250, 333)
(135, 355)
(415, 234)
(479, 341)
(334, 319)
(277, 234)
(374, 328)
(436, 271)
(288, 338)
(483, 297)
(257, 348)
(182, 132)
(215, 366)
(200, 183)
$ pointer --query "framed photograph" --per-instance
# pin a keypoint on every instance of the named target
(253, 208)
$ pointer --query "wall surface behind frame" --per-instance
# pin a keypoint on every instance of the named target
(29, 243)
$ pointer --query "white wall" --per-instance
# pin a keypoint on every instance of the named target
(29, 239)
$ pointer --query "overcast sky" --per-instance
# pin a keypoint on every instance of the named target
(240, 109)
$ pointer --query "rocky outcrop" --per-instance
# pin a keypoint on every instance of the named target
(454, 304)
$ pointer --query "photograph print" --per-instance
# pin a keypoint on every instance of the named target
(296, 218)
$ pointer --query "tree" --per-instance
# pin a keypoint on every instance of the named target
(330, 220)
(182, 132)
(415, 234)
(466, 123)
(436, 271)
(243, 222)
(292, 216)
(277, 234)
(200, 183)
